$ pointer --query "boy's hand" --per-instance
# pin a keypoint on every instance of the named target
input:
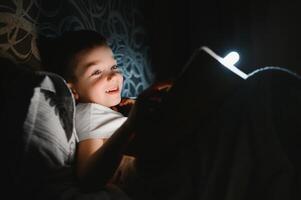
(124, 106)
(152, 95)
(155, 91)
(144, 110)
(127, 102)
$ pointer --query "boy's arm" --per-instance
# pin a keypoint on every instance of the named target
(96, 165)
(85, 150)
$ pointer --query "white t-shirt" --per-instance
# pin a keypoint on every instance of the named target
(96, 121)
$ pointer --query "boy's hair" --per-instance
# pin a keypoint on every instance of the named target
(66, 47)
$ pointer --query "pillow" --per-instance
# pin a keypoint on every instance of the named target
(38, 138)
(48, 142)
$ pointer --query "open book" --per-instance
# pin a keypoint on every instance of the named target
(205, 78)
(200, 89)
(205, 74)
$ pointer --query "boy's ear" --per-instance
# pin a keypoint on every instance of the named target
(74, 92)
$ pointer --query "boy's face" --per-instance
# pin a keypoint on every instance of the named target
(98, 78)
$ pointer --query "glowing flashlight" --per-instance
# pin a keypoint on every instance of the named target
(231, 58)
(228, 61)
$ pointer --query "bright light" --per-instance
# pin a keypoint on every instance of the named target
(231, 58)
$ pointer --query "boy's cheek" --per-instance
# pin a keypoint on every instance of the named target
(121, 82)
(121, 78)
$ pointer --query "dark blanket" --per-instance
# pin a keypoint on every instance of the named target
(215, 136)
(252, 148)
(219, 137)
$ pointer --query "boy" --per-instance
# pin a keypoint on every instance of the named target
(87, 63)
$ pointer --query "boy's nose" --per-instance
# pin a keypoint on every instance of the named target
(111, 75)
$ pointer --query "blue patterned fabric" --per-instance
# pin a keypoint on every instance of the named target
(22, 22)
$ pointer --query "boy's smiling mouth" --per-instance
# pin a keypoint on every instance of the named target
(112, 90)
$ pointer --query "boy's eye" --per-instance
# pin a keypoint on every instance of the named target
(115, 67)
(96, 72)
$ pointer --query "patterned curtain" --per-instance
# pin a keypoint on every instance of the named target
(21, 21)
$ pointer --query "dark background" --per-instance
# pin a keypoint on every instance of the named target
(153, 39)
(265, 33)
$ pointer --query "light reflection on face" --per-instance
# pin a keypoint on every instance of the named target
(98, 79)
